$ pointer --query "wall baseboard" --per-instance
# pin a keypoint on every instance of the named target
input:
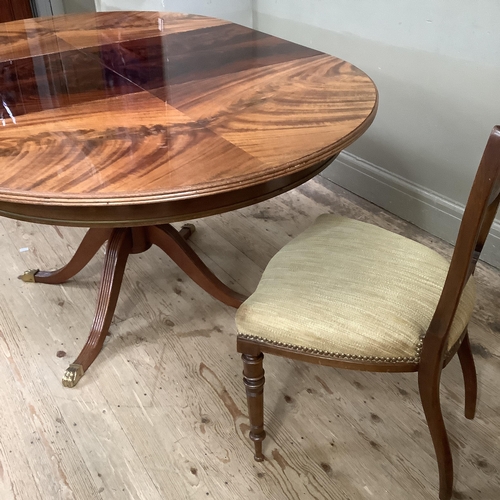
(423, 207)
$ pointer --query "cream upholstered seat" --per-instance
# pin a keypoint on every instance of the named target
(351, 295)
(351, 290)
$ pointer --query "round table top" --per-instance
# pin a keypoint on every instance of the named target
(125, 109)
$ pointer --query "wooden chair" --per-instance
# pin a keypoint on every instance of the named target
(352, 295)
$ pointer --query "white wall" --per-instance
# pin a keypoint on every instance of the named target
(49, 7)
(57, 7)
(73, 6)
(436, 64)
(238, 11)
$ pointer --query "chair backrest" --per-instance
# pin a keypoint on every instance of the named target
(478, 217)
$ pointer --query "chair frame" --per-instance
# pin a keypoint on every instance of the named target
(478, 217)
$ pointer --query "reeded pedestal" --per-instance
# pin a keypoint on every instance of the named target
(121, 242)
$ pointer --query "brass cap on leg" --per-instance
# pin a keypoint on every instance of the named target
(29, 275)
(72, 375)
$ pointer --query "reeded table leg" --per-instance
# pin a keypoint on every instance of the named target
(175, 246)
(121, 243)
(117, 252)
(92, 241)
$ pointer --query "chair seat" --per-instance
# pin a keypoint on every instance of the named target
(351, 290)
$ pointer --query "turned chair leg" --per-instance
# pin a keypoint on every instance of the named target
(429, 394)
(470, 378)
(253, 378)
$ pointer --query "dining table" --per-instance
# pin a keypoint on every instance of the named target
(126, 122)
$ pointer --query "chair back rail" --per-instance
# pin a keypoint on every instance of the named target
(479, 215)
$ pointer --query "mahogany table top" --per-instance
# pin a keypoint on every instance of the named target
(128, 118)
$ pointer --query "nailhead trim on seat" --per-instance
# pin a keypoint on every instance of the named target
(339, 355)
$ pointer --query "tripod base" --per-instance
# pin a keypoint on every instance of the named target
(121, 242)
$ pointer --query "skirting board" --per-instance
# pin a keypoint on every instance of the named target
(423, 207)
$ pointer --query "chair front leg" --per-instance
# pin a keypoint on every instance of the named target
(428, 384)
(253, 378)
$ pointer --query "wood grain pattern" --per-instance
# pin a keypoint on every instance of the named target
(100, 28)
(20, 39)
(143, 111)
(32, 37)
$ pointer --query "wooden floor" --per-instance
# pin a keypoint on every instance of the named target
(162, 413)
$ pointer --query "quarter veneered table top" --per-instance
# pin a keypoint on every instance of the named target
(128, 108)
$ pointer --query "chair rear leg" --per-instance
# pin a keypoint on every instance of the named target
(253, 378)
(429, 394)
(470, 378)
